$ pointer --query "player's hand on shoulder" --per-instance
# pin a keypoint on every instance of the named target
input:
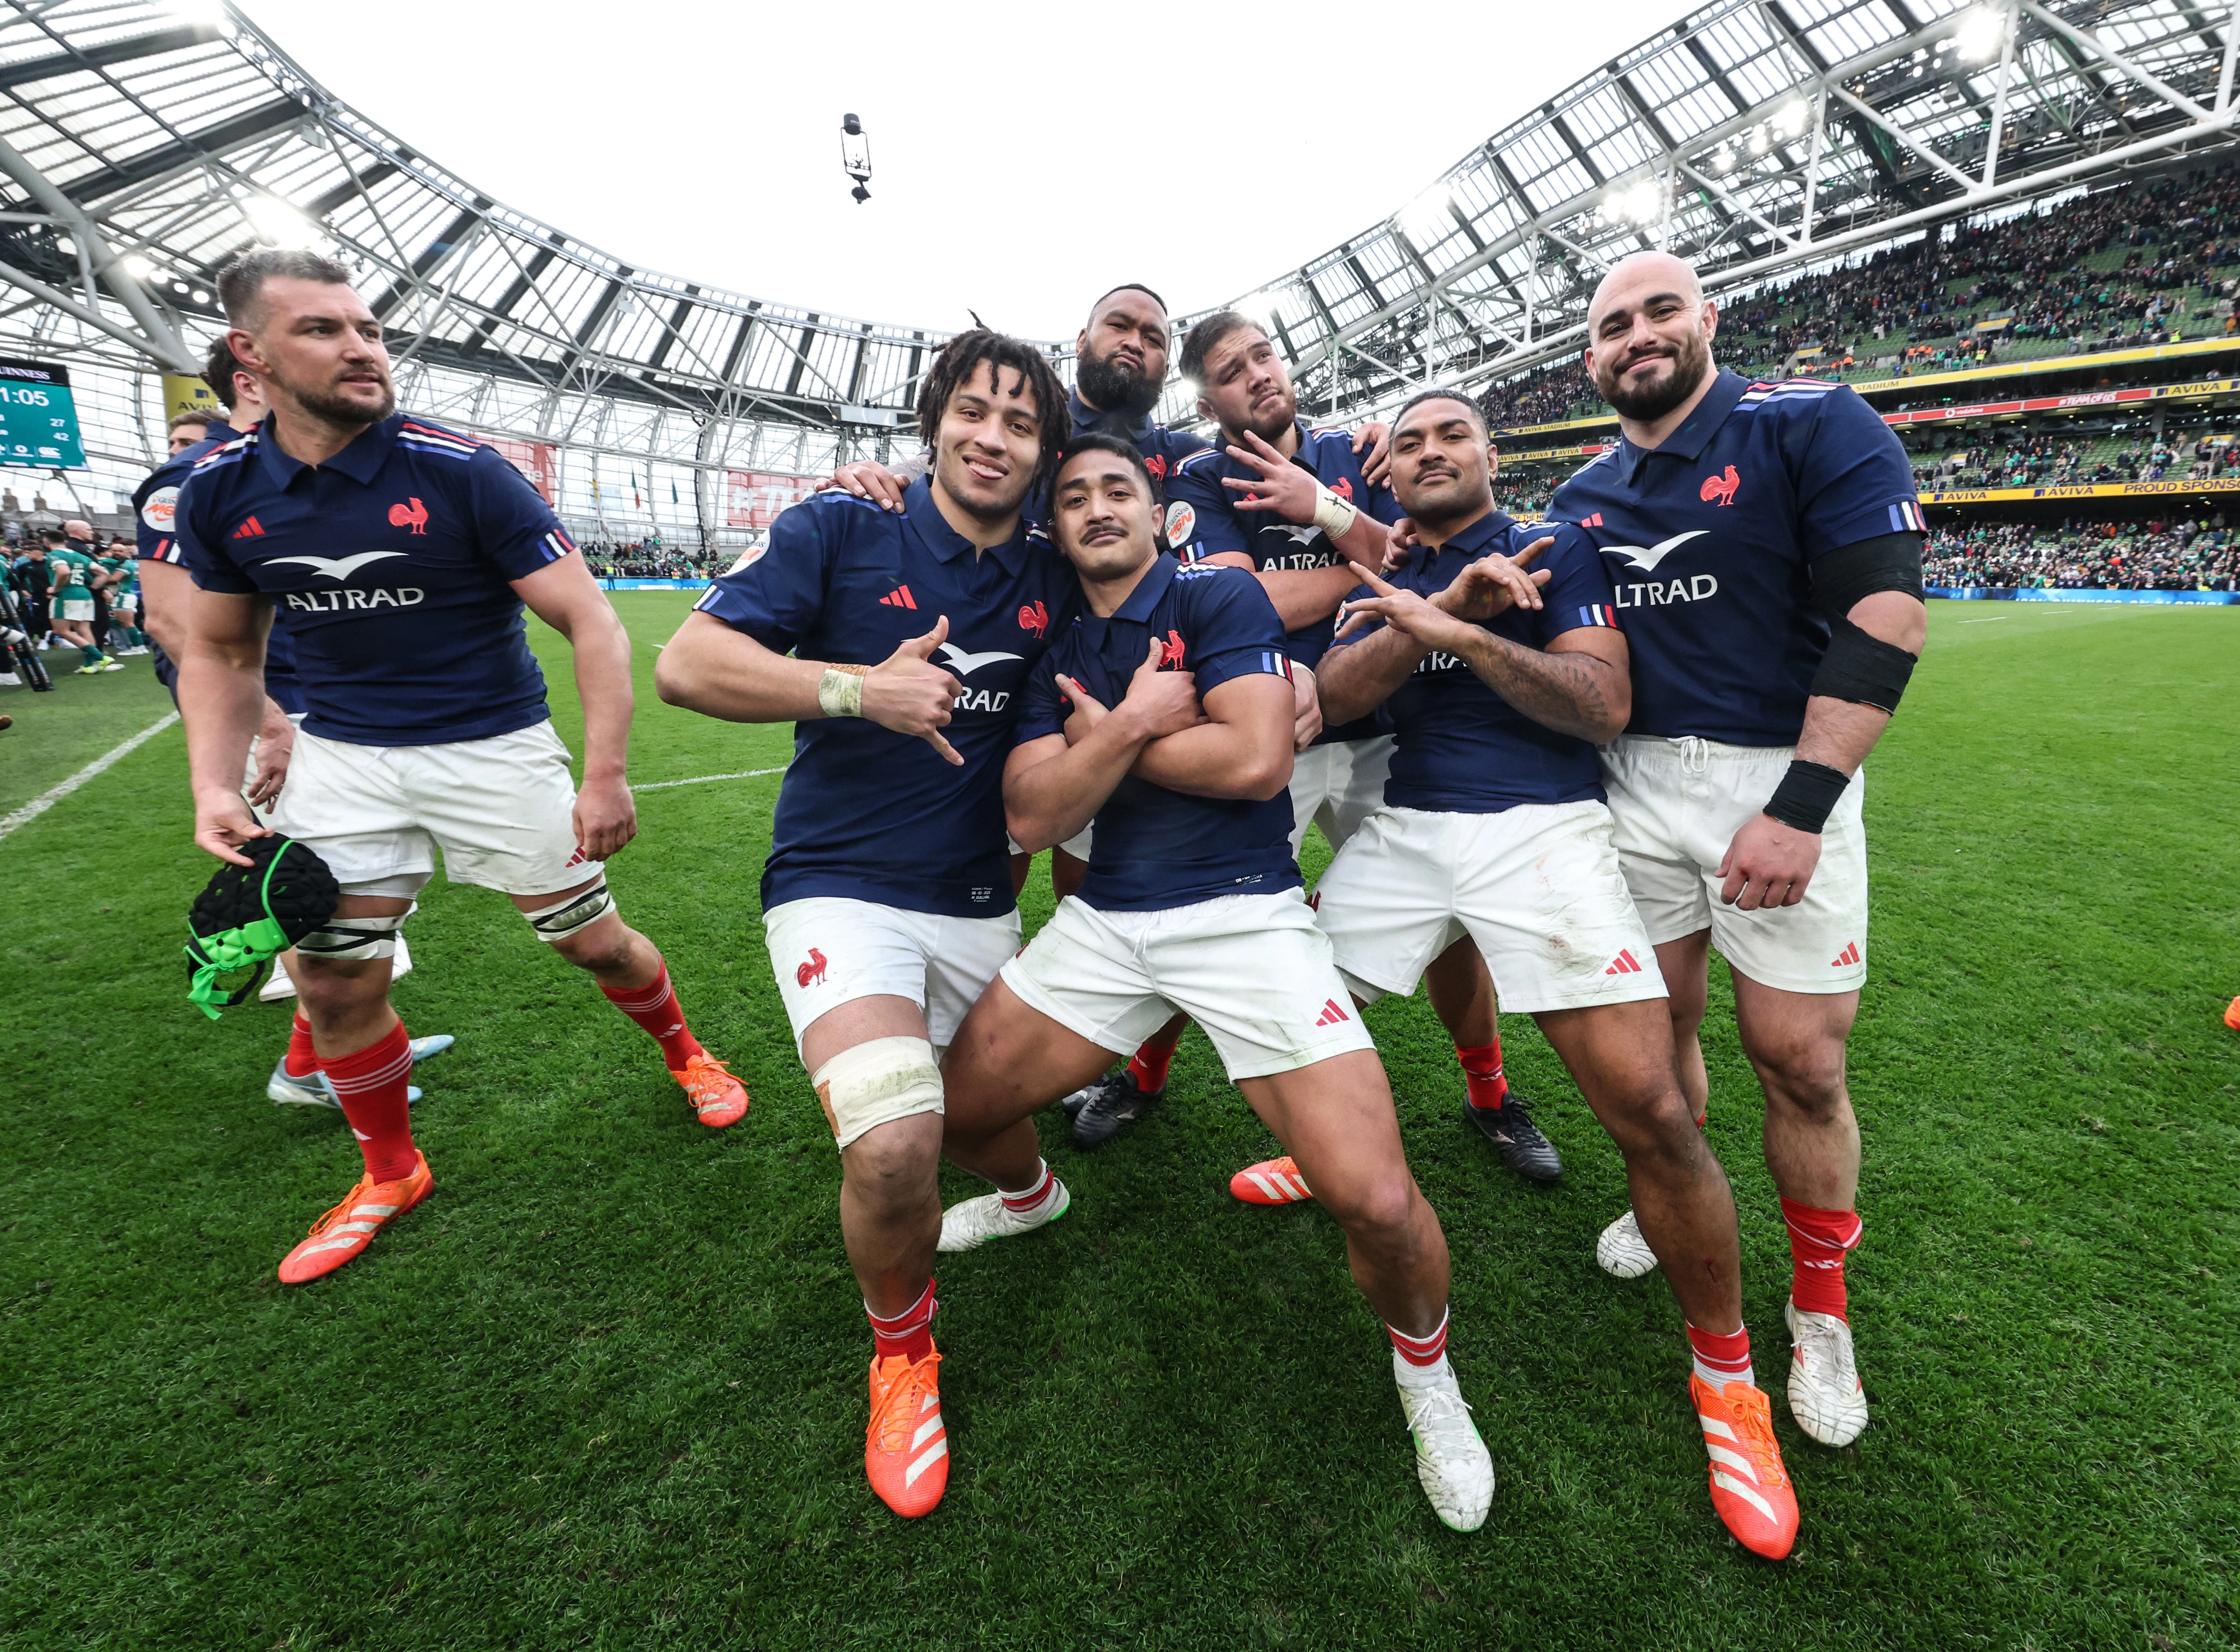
(1376, 436)
(907, 693)
(1768, 864)
(1495, 583)
(867, 479)
(605, 817)
(1163, 703)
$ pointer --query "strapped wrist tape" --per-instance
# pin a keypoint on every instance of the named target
(1332, 515)
(840, 694)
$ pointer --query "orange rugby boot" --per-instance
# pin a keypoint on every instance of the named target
(905, 1448)
(1750, 1488)
(1270, 1182)
(345, 1231)
(2232, 1015)
(718, 1097)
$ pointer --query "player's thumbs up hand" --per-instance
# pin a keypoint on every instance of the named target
(908, 693)
(1163, 703)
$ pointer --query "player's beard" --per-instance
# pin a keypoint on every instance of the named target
(1691, 364)
(1279, 415)
(1112, 390)
(330, 404)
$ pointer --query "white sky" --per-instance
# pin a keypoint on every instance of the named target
(1025, 156)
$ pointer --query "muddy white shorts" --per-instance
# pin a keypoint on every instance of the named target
(828, 952)
(1678, 804)
(1251, 970)
(500, 808)
(1536, 888)
(1337, 786)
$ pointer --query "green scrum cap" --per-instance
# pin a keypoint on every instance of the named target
(247, 916)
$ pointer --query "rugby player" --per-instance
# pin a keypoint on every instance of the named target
(898, 646)
(404, 554)
(1764, 541)
(1296, 505)
(1494, 827)
(167, 592)
(1165, 713)
(70, 606)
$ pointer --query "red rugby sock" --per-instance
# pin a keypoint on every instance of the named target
(654, 1007)
(371, 1085)
(1818, 1243)
(909, 1333)
(1482, 1075)
(302, 1058)
(1149, 1064)
(1722, 1359)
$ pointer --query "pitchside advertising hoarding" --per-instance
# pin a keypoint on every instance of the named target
(753, 498)
(38, 417)
(538, 461)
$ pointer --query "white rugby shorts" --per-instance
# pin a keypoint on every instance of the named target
(1337, 785)
(1536, 888)
(1678, 803)
(1251, 970)
(828, 951)
(76, 610)
(500, 808)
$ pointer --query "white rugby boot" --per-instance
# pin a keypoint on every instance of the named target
(1824, 1395)
(1622, 1251)
(1451, 1460)
(973, 1223)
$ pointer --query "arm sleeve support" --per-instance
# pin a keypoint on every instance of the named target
(1859, 666)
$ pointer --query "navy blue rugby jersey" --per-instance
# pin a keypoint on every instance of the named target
(1708, 537)
(1163, 449)
(864, 813)
(155, 507)
(1202, 521)
(1153, 847)
(392, 563)
(1461, 749)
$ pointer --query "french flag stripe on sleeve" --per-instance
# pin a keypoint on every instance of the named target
(1599, 614)
(1275, 664)
(1905, 517)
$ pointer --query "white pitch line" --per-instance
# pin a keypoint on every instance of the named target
(652, 785)
(48, 799)
(1994, 619)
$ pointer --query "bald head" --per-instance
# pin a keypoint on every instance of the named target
(1649, 338)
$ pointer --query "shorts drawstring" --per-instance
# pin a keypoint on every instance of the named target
(1695, 754)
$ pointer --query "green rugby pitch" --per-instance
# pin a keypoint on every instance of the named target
(606, 1388)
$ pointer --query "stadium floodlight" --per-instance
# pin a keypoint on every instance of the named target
(137, 267)
(1792, 117)
(1428, 217)
(855, 157)
(275, 222)
(1981, 34)
(1639, 203)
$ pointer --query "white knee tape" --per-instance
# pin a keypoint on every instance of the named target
(564, 917)
(876, 1082)
(346, 940)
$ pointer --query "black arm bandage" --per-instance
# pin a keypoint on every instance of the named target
(1859, 666)
(1862, 668)
(1807, 794)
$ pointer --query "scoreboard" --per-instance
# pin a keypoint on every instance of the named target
(38, 417)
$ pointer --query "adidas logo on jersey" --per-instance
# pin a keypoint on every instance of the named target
(1624, 964)
(898, 597)
(251, 529)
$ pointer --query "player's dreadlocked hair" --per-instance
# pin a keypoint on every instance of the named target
(959, 361)
(1205, 334)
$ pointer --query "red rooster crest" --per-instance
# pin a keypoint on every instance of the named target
(1034, 617)
(1721, 489)
(413, 516)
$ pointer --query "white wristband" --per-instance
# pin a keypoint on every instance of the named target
(840, 694)
(1332, 515)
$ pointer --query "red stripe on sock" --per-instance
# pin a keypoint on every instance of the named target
(1482, 1074)
(371, 1084)
(1420, 1350)
(1818, 1243)
(1149, 1064)
(654, 1008)
(303, 1058)
(1729, 1355)
(909, 1333)
(1034, 1195)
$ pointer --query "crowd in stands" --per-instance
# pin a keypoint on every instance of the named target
(2029, 461)
(645, 559)
(1906, 311)
(2126, 555)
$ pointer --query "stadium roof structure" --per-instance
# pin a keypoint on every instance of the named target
(143, 143)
